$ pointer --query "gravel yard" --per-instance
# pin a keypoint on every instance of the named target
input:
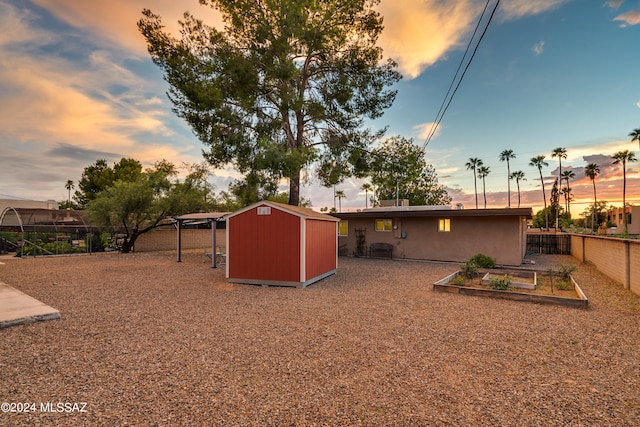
(144, 340)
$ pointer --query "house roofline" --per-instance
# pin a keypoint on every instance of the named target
(400, 213)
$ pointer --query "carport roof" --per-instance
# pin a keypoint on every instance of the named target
(200, 217)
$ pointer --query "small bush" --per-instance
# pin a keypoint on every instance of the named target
(500, 283)
(458, 281)
(564, 285)
(565, 271)
(469, 269)
(483, 261)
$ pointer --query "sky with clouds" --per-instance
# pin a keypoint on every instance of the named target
(77, 85)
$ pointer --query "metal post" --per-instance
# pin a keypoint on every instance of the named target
(214, 255)
(179, 240)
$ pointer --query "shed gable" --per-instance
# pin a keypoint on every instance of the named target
(264, 246)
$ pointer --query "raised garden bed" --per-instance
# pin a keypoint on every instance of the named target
(522, 279)
(541, 292)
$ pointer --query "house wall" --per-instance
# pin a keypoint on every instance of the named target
(264, 247)
(166, 239)
(615, 216)
(499, 237)
(320, 247)
(618, 259)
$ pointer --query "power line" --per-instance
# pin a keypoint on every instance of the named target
(434, 127)
(443, 109)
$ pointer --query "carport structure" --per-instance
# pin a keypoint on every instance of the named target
(199, 218)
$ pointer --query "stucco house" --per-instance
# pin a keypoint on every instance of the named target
(614, 216)
(437, 233)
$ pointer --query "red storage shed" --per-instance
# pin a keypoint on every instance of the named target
(271, 243)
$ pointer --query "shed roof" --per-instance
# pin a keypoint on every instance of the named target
(399, 212)
(294, 210)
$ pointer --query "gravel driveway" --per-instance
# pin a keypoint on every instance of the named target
(144, 340)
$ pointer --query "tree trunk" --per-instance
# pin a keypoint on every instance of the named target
(294, 189)
(128, 243)
(475, 186)
(595, 203)
(624, 198)
(509, 184)
(544, 198)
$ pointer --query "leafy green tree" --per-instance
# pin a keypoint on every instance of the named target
(197, 178)
(285, 84)
(518, 176)
(254, 187)
(69, 185)
(142, 202)
(567, 175)
(595, 214)
(400, 169)
(592, 170)
(483, 171)
(635, 135)
(505, 156)
(100, 176)
(560, 153)
(473, 164)
(554, 202)
(540, 219)
(340, 195)
(366, 187)
(624, 157)
(539, 163)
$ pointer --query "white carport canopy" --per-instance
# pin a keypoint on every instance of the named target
(200, 218)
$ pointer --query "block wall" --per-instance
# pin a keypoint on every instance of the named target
(618, 259)
(166, 240)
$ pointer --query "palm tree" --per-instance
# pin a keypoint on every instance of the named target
(366, 187)
(539, 162)
(340, 195)
(635, 135)
(69, 186)
(560, 153)
(567, 175)
(473, 164)
(504, 157)
(518, 176)
(592, 170)
(483, 171)
(624, 157)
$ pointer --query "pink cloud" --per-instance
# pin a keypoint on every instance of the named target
(116, 20)
(629, 18)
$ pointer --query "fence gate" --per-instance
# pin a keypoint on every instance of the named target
(559, 244)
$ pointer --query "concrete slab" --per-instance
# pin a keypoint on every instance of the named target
(17, 308)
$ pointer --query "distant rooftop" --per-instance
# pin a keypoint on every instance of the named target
(28, 204)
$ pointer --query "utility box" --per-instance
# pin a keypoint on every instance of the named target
(271, 243)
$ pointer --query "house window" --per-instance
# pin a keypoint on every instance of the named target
(343, 228)
(383, 225)
(444, 224)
